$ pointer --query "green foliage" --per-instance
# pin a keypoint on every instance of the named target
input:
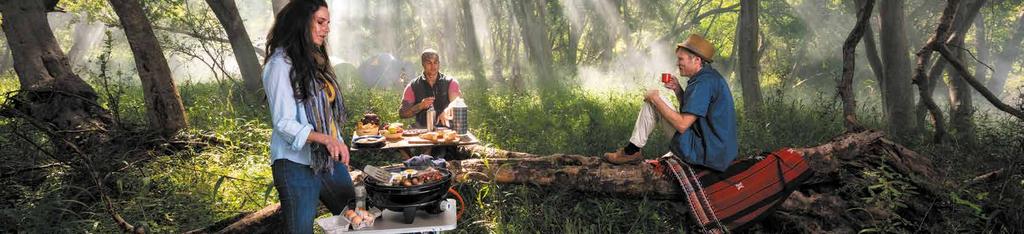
(94, 10)
(889, 189)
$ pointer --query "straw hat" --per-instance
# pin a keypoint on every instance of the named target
(698, 46)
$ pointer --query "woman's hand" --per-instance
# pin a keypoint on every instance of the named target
(345, 156)
(337, 150)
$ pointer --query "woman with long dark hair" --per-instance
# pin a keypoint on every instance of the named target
(308, 158)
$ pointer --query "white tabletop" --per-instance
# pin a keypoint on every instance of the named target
(392, 222)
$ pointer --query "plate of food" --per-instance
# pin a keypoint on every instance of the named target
(369, 125)
(371, 141)
(366, 129)
(393, 132)
(441, 137)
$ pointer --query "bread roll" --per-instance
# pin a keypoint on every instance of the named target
(430, 136)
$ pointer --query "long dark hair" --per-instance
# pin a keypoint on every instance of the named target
(291, 32)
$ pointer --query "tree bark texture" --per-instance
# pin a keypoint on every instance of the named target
(966, 75)
(473, 45)
(749, 64)
(845, 86)
(924, 81)
(530, 16)
(871, 50)
(50, 91)
(245, 53)
(898, 91)
(164, 110)
(960, 98)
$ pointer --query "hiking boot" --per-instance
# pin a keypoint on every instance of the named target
(620, 157)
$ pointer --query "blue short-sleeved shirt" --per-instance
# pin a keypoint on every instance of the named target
(711, 141)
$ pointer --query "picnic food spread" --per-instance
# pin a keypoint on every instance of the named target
(393, 132)
(441, 136)
(369, 125)
(412, 177)
(371, 141)
(394, 135)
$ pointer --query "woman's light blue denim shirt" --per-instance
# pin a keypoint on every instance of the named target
(291, 128)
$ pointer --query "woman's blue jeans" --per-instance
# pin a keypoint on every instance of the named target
(299, 189)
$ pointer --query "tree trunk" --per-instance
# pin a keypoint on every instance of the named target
(473, 45)
(845, 86)
(981, 44)
(933, 77)
(52, 98)
(961, 106)
(602, 40)
(245, 52)
(962, 70)
(871, 52)
(835, 162)
(749, 66)
(86, 35)
(52, 92)
(499, 43)
(278, 5)
(164, 110)
(573, 48)
(1006, 59)
(924, 81)
(530, 16)
(5, 56)
(898, 92)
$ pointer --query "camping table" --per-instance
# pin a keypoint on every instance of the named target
(391, 222)
(416, 142)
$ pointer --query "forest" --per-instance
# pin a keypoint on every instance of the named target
(152, 115)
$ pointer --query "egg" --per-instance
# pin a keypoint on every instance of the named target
(349, 214)
(357, 220)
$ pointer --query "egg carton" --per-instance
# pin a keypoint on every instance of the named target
(340, 223)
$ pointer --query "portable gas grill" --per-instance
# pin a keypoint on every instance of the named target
(428, 197)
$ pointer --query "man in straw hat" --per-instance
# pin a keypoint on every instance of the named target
(704, 126)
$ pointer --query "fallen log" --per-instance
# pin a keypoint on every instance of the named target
(815, 205)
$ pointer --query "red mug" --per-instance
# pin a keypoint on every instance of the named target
(666, 77)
